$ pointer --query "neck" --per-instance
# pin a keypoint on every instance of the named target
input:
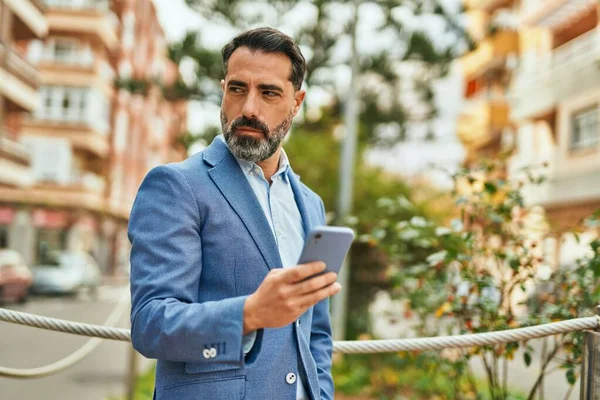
(270, 165)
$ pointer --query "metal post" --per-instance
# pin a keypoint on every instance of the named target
(590, 365)
(339, 301)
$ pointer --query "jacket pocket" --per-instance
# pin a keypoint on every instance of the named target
(233, 388)
(198, 368)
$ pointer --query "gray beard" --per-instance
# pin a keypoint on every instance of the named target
(254, 149)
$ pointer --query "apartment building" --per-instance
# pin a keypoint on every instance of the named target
(90, 140)
(147, 120)
(484, 125)
(555, 103)
(20, 21)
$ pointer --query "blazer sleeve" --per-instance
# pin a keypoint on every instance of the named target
(321, 343)
(167, 322)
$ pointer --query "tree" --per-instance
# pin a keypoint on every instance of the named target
(323, 35)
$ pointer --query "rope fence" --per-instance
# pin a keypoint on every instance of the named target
(99, 332)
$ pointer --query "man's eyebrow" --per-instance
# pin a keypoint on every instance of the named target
(275, 88)
(237, 83)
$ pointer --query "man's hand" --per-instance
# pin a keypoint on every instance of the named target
(284, 295)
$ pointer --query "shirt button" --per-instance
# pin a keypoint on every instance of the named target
(290, 378)
(298, 323)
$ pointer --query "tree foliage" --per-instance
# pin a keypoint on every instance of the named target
(487, 270)
(322, 28)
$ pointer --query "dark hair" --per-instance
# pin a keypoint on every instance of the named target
(269, 40)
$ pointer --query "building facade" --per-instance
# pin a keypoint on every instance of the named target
(88, 137)
(550, 105)
(20, 22)
(484, 125)
(556, 104)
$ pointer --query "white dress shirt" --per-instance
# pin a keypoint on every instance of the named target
(279, 205)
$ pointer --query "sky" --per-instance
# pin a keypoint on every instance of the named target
(412, 158)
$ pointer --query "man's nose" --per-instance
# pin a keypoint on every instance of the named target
(251, 106)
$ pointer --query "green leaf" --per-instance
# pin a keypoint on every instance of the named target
(442, 231)
(462, 200)
(527, 358)
(571, 378)
(435, 258)
(456, 225)
(497, 218)
(514, 264)
(490, 187)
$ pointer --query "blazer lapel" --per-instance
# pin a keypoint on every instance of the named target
(300, 201)
(232, 183)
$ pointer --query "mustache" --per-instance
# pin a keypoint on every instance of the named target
(252, 123)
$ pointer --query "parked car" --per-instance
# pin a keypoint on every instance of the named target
(15, 277)
(66, 272)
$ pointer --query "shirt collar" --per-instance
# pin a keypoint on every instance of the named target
(247, 166)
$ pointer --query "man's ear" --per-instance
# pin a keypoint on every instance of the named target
(298, 99)
(223, 85)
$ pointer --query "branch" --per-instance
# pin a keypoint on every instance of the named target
(543, 372)
(490, 374)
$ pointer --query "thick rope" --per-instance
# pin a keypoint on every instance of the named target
(59, 325)
(350, 347)
(477, 339)
(70, 327)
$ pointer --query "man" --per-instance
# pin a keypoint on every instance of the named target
(216, 295)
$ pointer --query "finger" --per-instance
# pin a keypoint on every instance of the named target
(310, 299)
(302, 271)
(312, 284)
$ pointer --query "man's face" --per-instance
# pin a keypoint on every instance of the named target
(259, 103)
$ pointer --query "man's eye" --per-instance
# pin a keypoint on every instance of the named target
(270, 93)
(236, 89)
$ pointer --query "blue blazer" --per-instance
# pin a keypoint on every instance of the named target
(200, 245)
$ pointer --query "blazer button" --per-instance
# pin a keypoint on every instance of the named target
(290, 378)
(213, 352)
(206, 354)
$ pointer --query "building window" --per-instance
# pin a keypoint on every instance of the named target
(66, 104)
(3, 236)
(65, 50)
(48, 242)
(585, 133)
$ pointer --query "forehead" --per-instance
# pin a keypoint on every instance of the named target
(248, 65)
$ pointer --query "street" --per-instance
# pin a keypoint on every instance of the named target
(99, 376)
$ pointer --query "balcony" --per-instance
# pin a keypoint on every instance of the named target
(15, 161)
(491, 54)
(19, 80)
(482, 121)
(487, 5)
(79, 69)
(30, 22)
(77, 194)
(542, 80)
(554, 14)
(71, 126)
(563, 189)
(89, 19)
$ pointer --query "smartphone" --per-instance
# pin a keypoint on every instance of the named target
(329, 244)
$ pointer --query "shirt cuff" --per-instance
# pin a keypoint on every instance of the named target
(248, 341)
